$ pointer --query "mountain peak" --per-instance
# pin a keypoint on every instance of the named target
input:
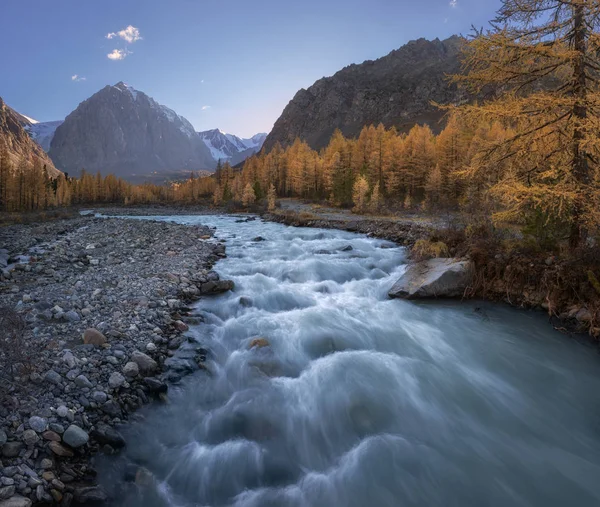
(231, 148)
(397, 90)
(123, 131)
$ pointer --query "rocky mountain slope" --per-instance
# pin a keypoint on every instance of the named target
(43, 132)
(230, 148)
(396, 90)
(123, 131)
(19, 144)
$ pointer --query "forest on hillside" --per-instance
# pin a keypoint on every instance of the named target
(524, 152)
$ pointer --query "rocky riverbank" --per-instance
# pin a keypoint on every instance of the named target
(93, 311)
(403, 232)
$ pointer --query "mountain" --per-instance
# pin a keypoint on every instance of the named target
(41, 132)
(123, 131)
(396, 90)
(20, 146)
(231, 148)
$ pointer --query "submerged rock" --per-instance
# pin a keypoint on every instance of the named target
(434, 278)
(259, 343)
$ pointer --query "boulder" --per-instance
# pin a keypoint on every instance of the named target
(94, 337)
(434, 278)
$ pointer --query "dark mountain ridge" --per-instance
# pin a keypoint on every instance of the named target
(396, 90)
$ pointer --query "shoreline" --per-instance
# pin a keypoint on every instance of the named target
(129, 282)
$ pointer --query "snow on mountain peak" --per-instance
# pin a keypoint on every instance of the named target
(30, 120)
(229, 147)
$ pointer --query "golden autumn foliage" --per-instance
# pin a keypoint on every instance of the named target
(536, 73)
(29, 188)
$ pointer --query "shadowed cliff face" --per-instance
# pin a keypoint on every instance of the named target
(396, 90)
(122, 131)
(20, 146)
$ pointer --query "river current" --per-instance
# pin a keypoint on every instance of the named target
(359, 400)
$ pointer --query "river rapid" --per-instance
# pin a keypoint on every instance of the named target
(359, 400)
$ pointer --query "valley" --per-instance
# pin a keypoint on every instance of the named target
(377, 284)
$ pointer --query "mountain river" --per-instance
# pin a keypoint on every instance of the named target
(359, 400)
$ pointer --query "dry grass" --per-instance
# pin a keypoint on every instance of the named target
(426, 249)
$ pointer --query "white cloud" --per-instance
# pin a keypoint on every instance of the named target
(77, 78)
(130, 34)
(118, 54)
(204, 108)
(453, 3)
(202, 81)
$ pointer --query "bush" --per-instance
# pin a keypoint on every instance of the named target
(427, 249)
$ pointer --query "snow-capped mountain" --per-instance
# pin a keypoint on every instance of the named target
(231, 148)
(42, 132)
(123, 131)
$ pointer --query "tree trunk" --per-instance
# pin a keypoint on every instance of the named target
(580, 159)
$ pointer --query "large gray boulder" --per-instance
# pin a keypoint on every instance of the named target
(434, 278)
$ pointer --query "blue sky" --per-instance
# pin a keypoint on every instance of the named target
(227, 64)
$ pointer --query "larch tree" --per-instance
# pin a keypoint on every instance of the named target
(248, 196)
(536, 70)
(271, 198)
(359, 194)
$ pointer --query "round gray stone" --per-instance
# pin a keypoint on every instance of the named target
(75, 437)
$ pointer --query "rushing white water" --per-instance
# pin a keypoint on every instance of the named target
(362, 401)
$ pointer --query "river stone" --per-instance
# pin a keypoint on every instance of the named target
(131, 369)
(107, 435)
(60, 450)
(116, 380)
(38, 424)
(72, 316)
(94, 337)
(3, 437)
(83, 381)
(16, 501)
(145, 362)
(90, 495)
(6, 492)
(75, 437)
(11, 449)
(30, 437)
(434, 278)
(155, 385)
(53, 377)
(216, 286)
(99, 396)
(51, 435)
